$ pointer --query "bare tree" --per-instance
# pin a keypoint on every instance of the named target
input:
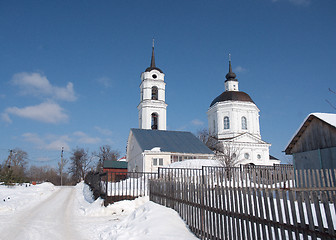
(79, 164)
(15, 165)
(203, 135)
(332, 105)
(227, 153)
(106, 153)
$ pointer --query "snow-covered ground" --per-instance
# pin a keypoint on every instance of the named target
(48, 212)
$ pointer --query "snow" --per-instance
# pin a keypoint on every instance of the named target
(23, 196)
(327, 117)
(195, 163)
(45, 211)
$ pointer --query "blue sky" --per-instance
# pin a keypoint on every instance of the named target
(70, 70)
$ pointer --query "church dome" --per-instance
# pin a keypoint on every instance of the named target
(153, 68)
(232, 96)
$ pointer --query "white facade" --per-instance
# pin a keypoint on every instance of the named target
(233, 119)
(234, 111)
(152, 107)
(152, 103)
(150, 158)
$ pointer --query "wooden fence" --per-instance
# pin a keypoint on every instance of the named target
(126, 185)
(251, 203)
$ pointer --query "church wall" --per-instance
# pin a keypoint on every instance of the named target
(134, 155)
(235, 111)
(252, 150)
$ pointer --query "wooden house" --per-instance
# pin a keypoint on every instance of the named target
(116, 170)
(314, 144)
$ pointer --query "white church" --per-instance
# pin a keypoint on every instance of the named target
(233, 120)
(151, 146)
(232, 117)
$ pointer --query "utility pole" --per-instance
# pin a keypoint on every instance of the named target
(62, 166)
(9, 159)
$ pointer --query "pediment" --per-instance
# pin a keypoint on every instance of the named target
(248, 138)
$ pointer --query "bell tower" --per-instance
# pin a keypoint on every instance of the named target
(152, 107)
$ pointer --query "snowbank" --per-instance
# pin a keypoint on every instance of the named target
(149, 221)
(87, 206)
(128, 219)
(23, 196)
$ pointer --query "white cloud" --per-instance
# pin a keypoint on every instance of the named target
(103, 131)
(84, 138)
(58, 144)
(47, 112)
(38, 85)
(105, 81)
(33, 138)
(239, 69)
(5, 117)
(51, 142)
(197, 122)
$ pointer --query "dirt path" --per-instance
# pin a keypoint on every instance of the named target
(51, 219)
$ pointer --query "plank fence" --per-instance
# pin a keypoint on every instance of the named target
(119, 186)
(250, 203)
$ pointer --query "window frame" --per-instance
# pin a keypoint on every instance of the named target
(154, 121)
(244, 123)
(155, 93)
(226, 123)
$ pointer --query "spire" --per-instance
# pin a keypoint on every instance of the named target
(231, 76)
(153, 57)
(152, 64)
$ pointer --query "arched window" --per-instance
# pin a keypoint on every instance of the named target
(244, 123)
(154, 121)
(155, 95)
(226, 123)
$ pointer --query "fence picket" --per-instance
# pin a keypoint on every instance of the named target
(328, 213)
(236, 203)
(301, 215)
(279, 211)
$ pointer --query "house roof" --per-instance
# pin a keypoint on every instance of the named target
(329, 118)
(272, 157)
(115, 164)
(170, 141)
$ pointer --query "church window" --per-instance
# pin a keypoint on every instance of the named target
(154, 121)
(226, 123)
(155, 93)
(161, 161)
(244, 123)
(246, 156)
(154, 76)
(259, 156)
(155, 162)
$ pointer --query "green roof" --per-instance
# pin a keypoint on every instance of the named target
(115, 164)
